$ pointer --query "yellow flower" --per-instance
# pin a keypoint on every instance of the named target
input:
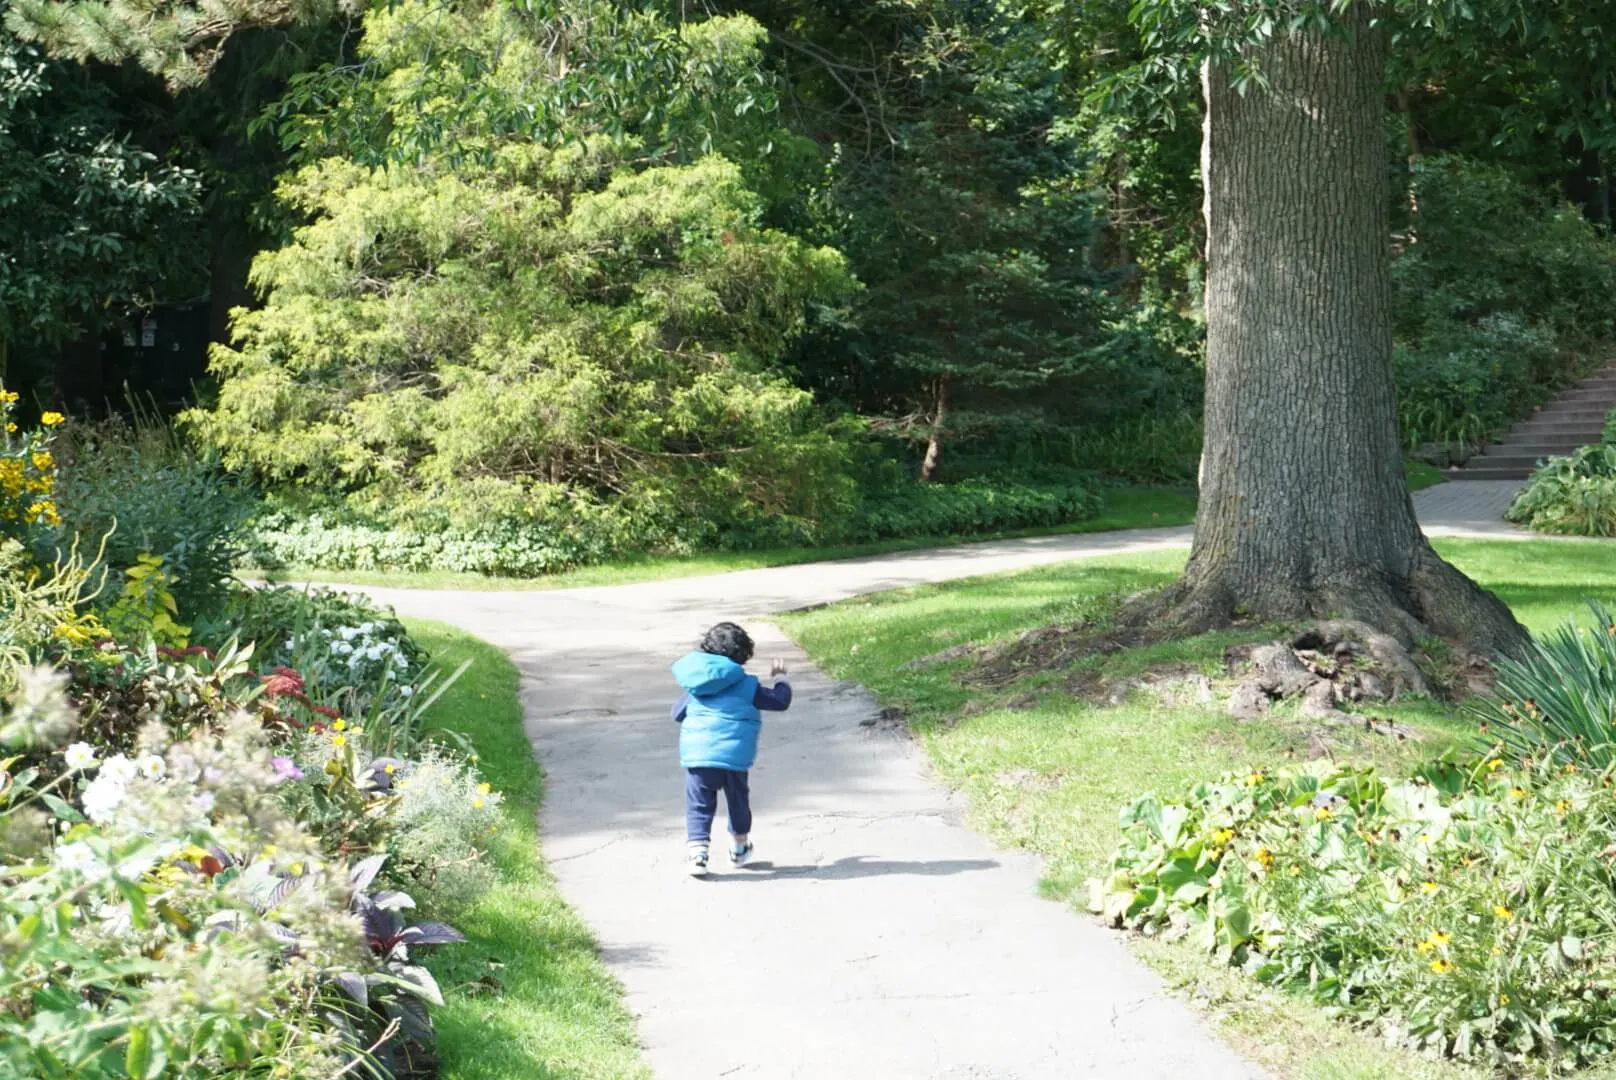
(1425, 838)
(1503, 999)
(296, 869)
(1265, 857)
(1503, 912)
(357, 731)
(472, 759)
(389, 769)
(1439, 939)
(1429, 887)
(1562, 807)
(42, 459)
(51, 419)
(8, 397)
(1322, 812)
(476, 804)
(1424, 947)
(1221, 837)
(270, 849)
(339, 740)
(11, 429)
(1440, 966)
(1494, 765)
(340, 725)
(1254, 779)
(484, 789)
(1517, 793)
(1497, 951)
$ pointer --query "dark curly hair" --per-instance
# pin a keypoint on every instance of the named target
(727, 639)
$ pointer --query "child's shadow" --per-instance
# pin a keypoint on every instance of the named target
(855, 866)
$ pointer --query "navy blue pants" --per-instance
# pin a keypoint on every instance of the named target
(701, 802)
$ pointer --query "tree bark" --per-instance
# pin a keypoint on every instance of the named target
(1304, 509)
(934, 445)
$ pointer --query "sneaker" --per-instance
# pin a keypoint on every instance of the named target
(696, 862)
(740, 853)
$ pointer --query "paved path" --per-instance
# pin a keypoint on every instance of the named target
(878, 937)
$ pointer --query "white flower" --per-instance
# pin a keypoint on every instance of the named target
(407, 691)
(340, 648)
(151, 767)
(119, 768)
(136, 866)
(81, 756)
(79, 858)
(103, 795)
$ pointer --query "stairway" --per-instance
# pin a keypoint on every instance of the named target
(1573, 419)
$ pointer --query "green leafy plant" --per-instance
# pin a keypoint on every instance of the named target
(1466, 910)
(1574, 495)
(145, 610)
(1558, 700)
(43, 613)
(141, 487)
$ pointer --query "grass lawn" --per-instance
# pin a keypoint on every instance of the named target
(526, 995)
(1124, 508)
(1049, 771)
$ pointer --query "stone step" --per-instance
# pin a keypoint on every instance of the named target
(1568, 414)
(1557, 430)
(1535, 448)
(1588, 393)
(1488, 472)
(1526, 462)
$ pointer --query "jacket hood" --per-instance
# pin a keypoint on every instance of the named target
(700, 674)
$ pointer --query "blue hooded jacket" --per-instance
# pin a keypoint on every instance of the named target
(721, 717)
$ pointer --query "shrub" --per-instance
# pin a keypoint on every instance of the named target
(270, 617)
(1496, 298)
(1462, 911)
(1558, 700)
(1460, 382)
(1573, 495)
(142, 489)
(969, 507)
(535, 329)
(445, 813)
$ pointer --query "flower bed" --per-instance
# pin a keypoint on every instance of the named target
(216, 855)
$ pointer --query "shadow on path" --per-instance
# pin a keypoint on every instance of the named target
(855, 866)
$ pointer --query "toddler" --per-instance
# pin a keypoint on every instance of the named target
(720, 716)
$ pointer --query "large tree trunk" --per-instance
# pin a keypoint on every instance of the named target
(1304, 510)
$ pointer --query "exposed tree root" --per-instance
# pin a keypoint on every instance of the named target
(1435, 601)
